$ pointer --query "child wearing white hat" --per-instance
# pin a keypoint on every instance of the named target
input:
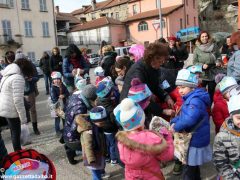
(135, 143)
(99, 73)
(226, 148)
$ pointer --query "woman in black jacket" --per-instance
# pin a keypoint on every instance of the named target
(56, 60)
(44, 64)
(147, 70)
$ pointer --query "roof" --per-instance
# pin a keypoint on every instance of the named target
(115, 3)
(67, 17)
(100, 22)
(153, 13)
(81, 11)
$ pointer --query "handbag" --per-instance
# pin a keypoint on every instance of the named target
(182, 141)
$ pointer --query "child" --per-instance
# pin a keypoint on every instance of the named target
(226, 148)
(226, 85)
(93, 142)
(58, 93)
(99, 73)
(193, 116)
(140, 150)
(108, 97)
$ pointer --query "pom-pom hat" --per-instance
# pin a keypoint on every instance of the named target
(99, 71)
(129, 115)
(80, 82)
(226, 84)
(186, 78)
(234, 105)
(104, 87)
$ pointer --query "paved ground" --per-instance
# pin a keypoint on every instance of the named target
(48, 144)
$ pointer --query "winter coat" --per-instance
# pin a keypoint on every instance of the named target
(12, 93)
(56, 62)
(219, 111)
(141, 152)
(55, 93)
(210, 58)
(67, 69)
(44, 64)
(233, 67)
(194, 111)
(93, 143)
(147, 75)
(30, 86)
(107, 62)
(168, 76)
(74, 107)
(226, 151)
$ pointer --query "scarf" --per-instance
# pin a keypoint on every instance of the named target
(206, 47)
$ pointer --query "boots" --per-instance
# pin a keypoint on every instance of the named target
(35, 128)
(70, 155)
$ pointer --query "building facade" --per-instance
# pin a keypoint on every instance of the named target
(27, 24)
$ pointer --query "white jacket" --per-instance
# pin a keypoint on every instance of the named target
(12, 93)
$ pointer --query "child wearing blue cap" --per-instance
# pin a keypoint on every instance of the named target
(193, 116)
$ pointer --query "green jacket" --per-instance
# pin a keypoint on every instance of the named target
(210, 58)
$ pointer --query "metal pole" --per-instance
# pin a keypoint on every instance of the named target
(160, 19)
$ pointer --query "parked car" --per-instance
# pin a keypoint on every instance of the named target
(122, 51)
(93, 59)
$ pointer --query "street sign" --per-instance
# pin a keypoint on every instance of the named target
(156, 24)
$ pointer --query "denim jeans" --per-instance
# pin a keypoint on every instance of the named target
(47, 79)
(57, 124)
(3, 150)
(97, 174)
(15, 129)
(111, 145)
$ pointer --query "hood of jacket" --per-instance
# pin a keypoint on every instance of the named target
(134, 145)
(112, 53)
(198, 92)
(229, 127)
(11, 69)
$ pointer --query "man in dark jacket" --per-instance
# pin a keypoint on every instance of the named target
(44, 64)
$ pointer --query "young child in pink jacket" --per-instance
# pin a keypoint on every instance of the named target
(141, 150)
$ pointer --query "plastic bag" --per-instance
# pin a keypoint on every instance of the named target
(25, 135)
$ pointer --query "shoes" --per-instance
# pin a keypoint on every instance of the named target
(114, 162)
(177, 170)
(70, 157)
(35, 128)
(107, 160)
(105, 176)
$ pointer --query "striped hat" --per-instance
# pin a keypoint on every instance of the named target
(186, 78)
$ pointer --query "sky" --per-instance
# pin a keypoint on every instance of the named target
(71, 5)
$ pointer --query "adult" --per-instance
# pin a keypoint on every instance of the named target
(121, 67)
(71, 63)
(56, 60)
(9, 57)
(108, 60)
(227, 47)
(233, 67)
(147, 70)
(45, 65)
(12, 95)
(182, 54)
(30, 90)
(207, 54)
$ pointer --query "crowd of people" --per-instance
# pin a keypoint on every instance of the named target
(114, 119)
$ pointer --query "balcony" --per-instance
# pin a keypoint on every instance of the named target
(6, 40)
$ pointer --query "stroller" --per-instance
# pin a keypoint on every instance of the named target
(28, 164)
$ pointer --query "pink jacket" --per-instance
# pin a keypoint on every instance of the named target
(141, 152)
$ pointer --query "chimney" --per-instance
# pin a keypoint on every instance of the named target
(84, 7)
(93, 4)
(57, 9)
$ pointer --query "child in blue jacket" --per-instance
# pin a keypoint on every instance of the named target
(58, 92)
(193, 116)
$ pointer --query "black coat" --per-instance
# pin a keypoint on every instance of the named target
(147, 75)
(44, 64)
(107, 62)
(56, 63)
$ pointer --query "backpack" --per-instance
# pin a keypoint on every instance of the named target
(22, 162)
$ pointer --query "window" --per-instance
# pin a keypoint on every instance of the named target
(134, 9)
(194, 5)
(28, 28)
(43, 5)
(93, 16)
(31, 56)
(10, 3)
(45, 29)
(195, 21)
(142, 26)
(117, 15)
(111, 15)
(7, 3)
(7, 31)
(187, 19)
(25, 4)
(181, 23)
(187, 2)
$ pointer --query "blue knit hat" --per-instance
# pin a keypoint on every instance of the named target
(129, 115)
(104, 88)
(195, 69)
(186, 78)
(226, 84)
(98, 114)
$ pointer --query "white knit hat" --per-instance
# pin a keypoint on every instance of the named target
(234, 104)
(226, 84)
(99, 71)
(129, 115)
(186, 78)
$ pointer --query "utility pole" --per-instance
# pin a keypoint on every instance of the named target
(160, 19)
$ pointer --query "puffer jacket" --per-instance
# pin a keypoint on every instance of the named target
(219, 111)
(233, 67)
(194, 111)
(12, 93)
(56, 62)
(226, 151)
(141, 152)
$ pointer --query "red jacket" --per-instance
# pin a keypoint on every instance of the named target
(219, 111)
